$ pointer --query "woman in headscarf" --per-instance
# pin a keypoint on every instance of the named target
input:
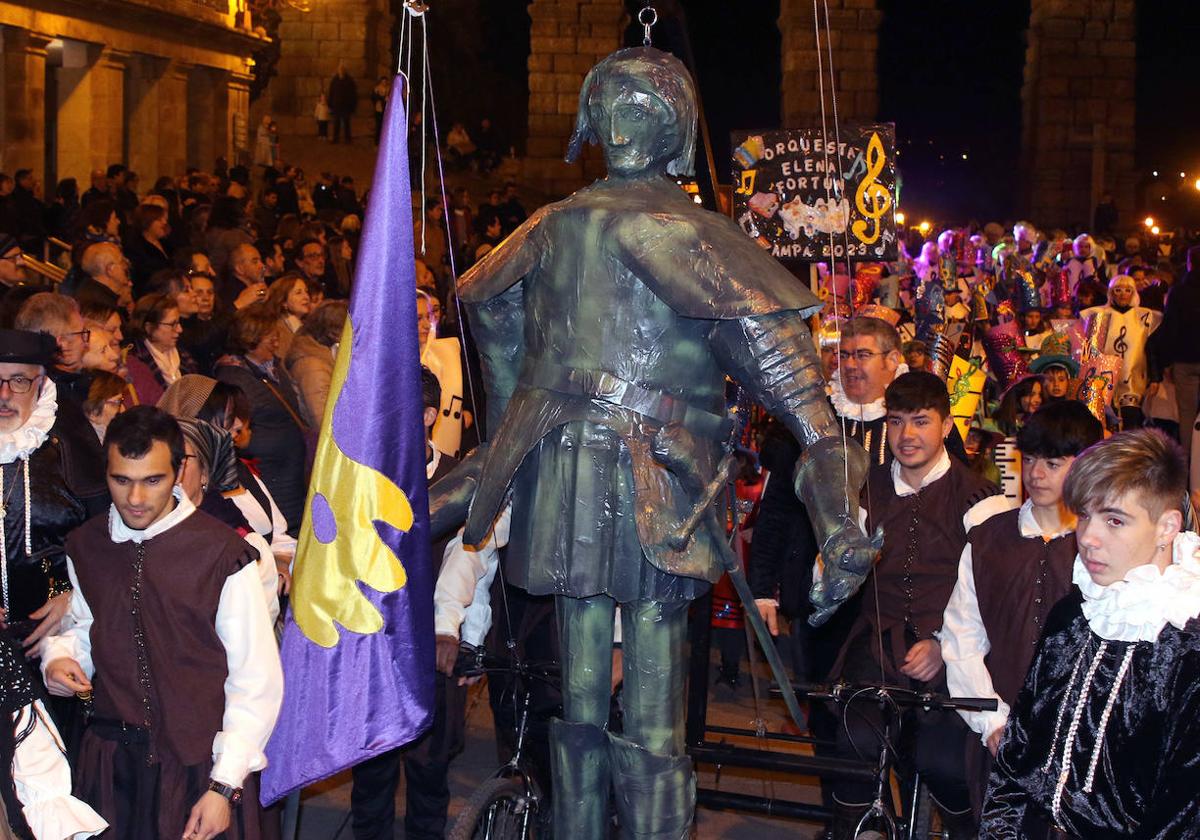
(208, 472)
(225, 406)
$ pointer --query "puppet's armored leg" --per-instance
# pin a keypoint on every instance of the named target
(579, 745)
(655, 793)
(579, 761)
(652, 776)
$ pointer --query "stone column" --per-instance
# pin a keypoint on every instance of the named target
(173, 119)
(202, 116)
(567, 38)
(240, 137)
(1077, 138)
(854, 34)
(143, 106)
(23, 116)
(77, 129)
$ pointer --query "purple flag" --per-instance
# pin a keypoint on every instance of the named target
(358, 647)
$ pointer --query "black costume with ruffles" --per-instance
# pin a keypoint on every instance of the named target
(1146, 781)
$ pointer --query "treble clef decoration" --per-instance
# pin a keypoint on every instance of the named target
(1121, 345)
(871, 198)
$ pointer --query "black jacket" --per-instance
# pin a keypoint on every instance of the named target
(1175, 339)
(66, 489)
(279, 437)
(1144, 753)
(343, 95)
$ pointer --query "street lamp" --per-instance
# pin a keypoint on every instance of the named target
(1154, 230)
(900, 216)
(1149, 221)
(924, 227)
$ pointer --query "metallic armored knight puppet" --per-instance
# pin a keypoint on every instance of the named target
(606, 325)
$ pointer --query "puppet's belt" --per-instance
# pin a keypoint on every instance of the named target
(609, 388)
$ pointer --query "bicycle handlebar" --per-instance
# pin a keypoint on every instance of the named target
(475, 662)
(844, 693)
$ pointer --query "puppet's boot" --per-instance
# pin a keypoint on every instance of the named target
(655, 793)
(580, 765)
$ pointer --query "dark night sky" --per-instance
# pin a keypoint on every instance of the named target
(950, 78)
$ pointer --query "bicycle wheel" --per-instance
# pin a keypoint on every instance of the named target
(501, 809)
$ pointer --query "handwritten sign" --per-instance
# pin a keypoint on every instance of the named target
(799, 197)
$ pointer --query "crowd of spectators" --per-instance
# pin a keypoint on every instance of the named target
(221, 297)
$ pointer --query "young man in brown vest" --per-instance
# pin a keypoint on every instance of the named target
(1015, 567)
(168, 636)
(926, 502)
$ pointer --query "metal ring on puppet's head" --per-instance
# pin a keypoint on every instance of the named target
(658, 73)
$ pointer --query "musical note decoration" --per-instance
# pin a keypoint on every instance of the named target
(871, 198)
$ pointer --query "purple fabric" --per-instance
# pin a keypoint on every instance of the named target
(370, 693)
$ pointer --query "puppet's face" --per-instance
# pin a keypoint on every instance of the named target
(636, 128)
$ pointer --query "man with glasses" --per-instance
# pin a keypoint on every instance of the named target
(785, 547)
(310, 260)
(40, 457)
(12, 271)
(58, 316)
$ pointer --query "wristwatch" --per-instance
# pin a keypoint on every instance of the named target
(232, 794)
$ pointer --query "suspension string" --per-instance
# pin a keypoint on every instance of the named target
(462, 336)
(833, 274)
(837, 139)
(832, 259)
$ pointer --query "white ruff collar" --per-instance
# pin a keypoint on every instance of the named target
(1137, 608)
(23, 441)
(862, 412)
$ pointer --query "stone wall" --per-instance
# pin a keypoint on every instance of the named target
(567, 37)
(1078, 109)
(854, 34)
(121, 77)
(357, 32)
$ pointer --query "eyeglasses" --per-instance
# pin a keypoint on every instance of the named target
(193, 272)
(84, 335)
(15, 259)
(861, 356)
(170, 324)
(116, 402)
(19, 384)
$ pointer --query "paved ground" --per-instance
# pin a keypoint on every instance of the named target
(325, 807)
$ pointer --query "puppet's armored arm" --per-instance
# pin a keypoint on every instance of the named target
(773, 357)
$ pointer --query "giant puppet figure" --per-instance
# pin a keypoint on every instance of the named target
(606, 324)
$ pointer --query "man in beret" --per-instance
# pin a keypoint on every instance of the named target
(37, 458)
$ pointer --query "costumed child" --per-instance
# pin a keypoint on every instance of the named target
(1103, 738)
